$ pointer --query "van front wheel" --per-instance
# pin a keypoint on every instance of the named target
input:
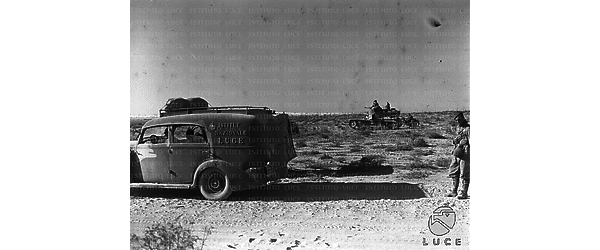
(214, 184)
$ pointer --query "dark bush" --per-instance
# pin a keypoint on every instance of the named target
(313, 152)
(443, 162)
(301, 144)
(435, 135)
(340, 159)
(325, 157)
(355, 148)
(417, 163)
(366, 162)
(424, 152)
(417, 175)
(171, 236)
(399, 147)
(418, 142)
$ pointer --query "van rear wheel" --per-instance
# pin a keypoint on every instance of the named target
(214, 184)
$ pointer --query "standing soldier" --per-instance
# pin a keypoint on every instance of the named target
(375, 107)
(375, 110)
(460, 166)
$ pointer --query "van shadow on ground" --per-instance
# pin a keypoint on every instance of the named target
(306, 192)
(326, 191)
(341, 172)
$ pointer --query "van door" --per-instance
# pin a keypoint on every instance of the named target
(153, 152)
(189, 148)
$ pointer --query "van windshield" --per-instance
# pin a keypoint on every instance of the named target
(155, 135)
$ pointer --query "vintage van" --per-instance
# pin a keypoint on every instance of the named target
(215, 150)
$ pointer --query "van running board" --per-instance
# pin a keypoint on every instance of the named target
(159, 186)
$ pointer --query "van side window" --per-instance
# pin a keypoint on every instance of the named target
(189, 134)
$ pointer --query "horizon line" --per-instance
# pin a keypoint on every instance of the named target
(321, 113)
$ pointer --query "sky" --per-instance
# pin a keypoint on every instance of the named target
(301, 56)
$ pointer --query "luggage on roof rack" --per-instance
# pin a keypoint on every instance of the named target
(197, 105)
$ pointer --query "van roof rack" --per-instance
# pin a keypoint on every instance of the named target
(224, 109)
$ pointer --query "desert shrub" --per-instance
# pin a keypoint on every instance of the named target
(324, 132)
(313, 152)
(171, 236)
(325, 157)
(301, 144)
(417, 175)
(399, 147)
(365, 162)
(442, 162)
(417, 163)
(403, 147)
(435, 135)
(324, 165)
(355, 148)
(404, 133)
(340, 159)
(377, 159)
(418, 142)
(424, 152)
(307, 161)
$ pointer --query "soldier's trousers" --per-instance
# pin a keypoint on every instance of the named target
(459, 168)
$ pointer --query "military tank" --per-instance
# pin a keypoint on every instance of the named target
(384, 119)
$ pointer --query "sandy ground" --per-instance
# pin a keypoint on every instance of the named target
(326, 202)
